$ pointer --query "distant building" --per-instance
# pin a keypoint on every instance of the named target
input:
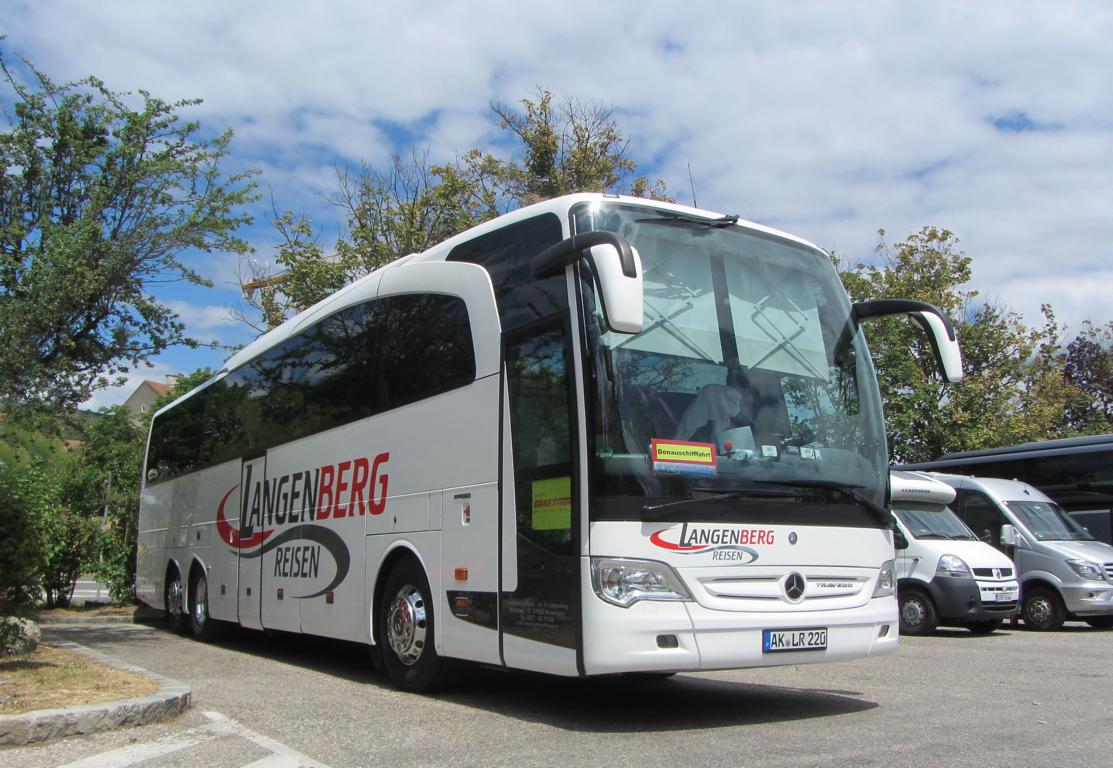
(147, 392)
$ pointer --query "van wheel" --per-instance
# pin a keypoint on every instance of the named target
(203, 626)
(1100, 622)
(917, 613)
(987, 627)
(175, 603)
(1042, 609)
(406, 626)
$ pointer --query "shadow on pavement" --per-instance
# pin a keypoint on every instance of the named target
(613, 704)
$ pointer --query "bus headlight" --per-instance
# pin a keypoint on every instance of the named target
(954, 567)
(886, 580)
(1086, 569)
(624, 582)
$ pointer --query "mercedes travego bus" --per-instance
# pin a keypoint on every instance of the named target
(595, 435)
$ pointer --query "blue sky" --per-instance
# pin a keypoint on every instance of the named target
(830, 120)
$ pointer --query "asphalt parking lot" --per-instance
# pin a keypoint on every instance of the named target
(1013, 698)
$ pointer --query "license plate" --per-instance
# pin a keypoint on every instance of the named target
(788, 640)
(1006, 597)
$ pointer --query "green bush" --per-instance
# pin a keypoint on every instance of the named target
(21, 554)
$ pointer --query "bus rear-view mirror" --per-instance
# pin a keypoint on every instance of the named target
(617, 268)
(930, 319)
(622, 295)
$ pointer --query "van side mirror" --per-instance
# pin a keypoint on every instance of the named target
(931, 320)
(1009, 536)
(899, 542)
(617, 267)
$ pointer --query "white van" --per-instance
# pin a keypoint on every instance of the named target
(945, 574)
(1065, 572)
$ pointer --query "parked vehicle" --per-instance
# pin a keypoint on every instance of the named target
(1065, 573)
(1076, 472)
(945, 575)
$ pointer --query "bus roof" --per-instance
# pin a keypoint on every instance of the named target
(1040, 449)
(366, 287)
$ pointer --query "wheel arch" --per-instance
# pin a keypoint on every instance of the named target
(398, 552)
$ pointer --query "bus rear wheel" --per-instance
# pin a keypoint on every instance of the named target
(203, 626)
(175, 603)
(406, 625)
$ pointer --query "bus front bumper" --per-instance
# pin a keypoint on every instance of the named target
(654, 636)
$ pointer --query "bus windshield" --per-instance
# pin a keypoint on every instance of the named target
(748, 375)
(1048, 522)
(931, 521)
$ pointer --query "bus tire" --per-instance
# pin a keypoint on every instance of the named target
(202, 625)
(1100, 622)
(406, 626)
(1042, 609)
(175, 602)
(917, 612)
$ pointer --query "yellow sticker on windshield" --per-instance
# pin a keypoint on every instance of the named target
(552, 504)
(679, 457)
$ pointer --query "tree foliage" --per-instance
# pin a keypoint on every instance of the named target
(1013, 390)
(101, 194)
(551, 149)
(1088, 366)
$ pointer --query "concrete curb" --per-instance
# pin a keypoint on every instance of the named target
(171, 700)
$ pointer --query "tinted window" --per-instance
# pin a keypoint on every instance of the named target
(362, 360)
(426, 348)
(506, 254)
(983, 517)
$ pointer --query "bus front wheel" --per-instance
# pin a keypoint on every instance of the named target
(405, 634)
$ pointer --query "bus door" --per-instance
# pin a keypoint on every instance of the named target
(249, 543)
(540, 591)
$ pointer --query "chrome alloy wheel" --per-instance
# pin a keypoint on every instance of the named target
(405, 625)
(200, 601)
(1039, 610)
(174, 593)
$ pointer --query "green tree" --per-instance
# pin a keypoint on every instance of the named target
(550, 149)
(101, 196)
(1088, 367)
(1013, 388)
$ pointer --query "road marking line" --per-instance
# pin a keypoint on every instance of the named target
(137, 753)
(278, 749)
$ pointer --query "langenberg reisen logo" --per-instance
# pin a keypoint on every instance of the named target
(732, 544)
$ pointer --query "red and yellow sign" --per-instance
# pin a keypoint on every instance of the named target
(683, 457)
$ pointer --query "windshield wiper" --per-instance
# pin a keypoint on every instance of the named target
(673, 220)
(847, 490)
(651, 511)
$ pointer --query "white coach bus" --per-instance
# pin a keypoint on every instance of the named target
(595, 435)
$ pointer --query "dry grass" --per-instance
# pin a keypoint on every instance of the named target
(89, 611)
(54, 677)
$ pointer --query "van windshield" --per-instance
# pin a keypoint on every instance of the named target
(1047, 521)
(931, 521)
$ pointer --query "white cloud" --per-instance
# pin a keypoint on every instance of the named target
(830, 120)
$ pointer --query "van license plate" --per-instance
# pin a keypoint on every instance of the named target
(1006, 597)
(788, 640)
